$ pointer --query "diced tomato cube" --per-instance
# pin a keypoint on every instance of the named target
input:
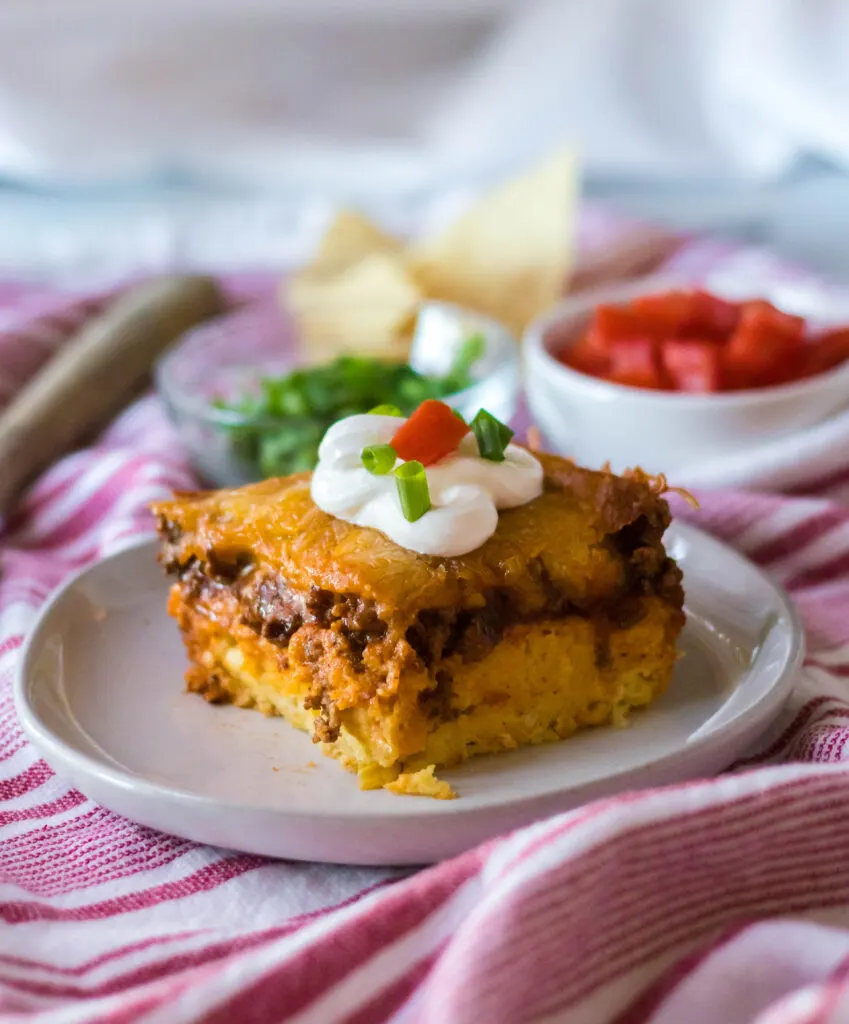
(747, 363)
(785, 328)
(689, 314)
(693, 364)
(432, 432)
(762, 341)
(612, 324)
(712, 316)
(666, 313)
(586, 359)
(830, 349)
(792, 365)
(634, 362)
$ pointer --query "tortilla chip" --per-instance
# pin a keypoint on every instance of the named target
(511, 254)
(350, 238)
(509, 257)
(369, 308)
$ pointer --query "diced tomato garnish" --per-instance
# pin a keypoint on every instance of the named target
(689, 314)
(697, 342)
(585, 359)
(433, 431)
(666, 313)
(634, 362)
(792, 365)
(713, 317)
(693, 364)
(748, 362)
(761, 315)
(830, 349)
(761, 343)
(612, 324)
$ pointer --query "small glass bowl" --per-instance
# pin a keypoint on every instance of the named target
(227, 358)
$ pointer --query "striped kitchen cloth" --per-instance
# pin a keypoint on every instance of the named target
(718, 901)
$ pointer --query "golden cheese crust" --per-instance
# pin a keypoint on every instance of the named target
(391, 657)
(569, 532)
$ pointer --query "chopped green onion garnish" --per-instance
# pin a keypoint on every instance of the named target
(492, 435)
(379, 458)
(413, 492)
(385, 410)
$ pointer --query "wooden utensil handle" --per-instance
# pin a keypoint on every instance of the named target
(95, 374)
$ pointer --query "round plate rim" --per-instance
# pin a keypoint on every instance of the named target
(57, 752)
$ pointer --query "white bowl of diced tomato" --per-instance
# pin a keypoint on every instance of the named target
(665, 376)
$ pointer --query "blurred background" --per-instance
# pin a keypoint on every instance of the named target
(213, 134)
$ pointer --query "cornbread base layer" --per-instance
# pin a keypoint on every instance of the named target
(541, 683)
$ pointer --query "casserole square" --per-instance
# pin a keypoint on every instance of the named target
(397, 662)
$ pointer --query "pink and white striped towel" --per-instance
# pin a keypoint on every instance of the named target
(717, 902)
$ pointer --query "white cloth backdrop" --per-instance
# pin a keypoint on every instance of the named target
(398, 95)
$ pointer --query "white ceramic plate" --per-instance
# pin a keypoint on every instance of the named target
(99, 692)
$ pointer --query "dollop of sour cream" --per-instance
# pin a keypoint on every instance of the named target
(466, 491)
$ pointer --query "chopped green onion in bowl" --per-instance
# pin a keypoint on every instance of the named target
(281, 427)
